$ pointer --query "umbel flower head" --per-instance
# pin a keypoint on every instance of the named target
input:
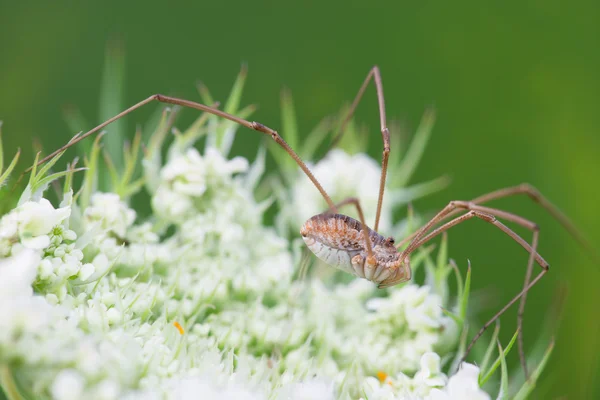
(202, 298)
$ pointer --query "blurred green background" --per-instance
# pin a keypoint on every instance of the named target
(516, 86)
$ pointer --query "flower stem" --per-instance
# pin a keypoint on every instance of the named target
(8, 384)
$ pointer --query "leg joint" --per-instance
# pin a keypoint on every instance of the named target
(486, 217)
(531, 191)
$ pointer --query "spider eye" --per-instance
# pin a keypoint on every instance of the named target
(391, 240)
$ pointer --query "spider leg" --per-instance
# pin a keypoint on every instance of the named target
(375, 75)
(489, 215)
(537, 197)
(211, 110)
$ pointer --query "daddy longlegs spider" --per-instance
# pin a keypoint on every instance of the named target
(352, 246)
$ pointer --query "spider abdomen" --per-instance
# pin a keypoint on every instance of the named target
(339, 241)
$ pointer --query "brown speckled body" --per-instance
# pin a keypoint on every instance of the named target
(339, 241)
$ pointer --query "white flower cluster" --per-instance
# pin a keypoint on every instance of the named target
(208, 307)
(429, 383)
(30, 226)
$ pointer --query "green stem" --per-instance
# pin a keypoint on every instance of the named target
(8, 384)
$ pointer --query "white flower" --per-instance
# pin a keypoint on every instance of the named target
(212, 306)
(68, 385)
(463, 385)
(110, 213)
(191, 388)
(429, 383)
(189, 176)
(38, 218)
(314, 389)
(21, 313)
(17, 273)
(30, 224)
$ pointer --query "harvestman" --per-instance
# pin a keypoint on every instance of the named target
(352, 246)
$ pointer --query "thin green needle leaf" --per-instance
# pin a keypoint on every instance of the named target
(225, 133)
(488, 353)
(235, 96)
(464, 299)
(42, 185)
(503, 393)
(416, 149)
(75, 122)
(498, 361)
(442, 257)
(33, 173)
(459, 280)
(315, 138)
(528, 386)
(69, 177)
(10, 168)
(1, 150)
(288, 119)
(454, 317)
(112, 171)
(90, 177)
(111, 100)
(204, 93)
(8, 384)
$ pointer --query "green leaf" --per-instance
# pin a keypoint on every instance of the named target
(416, 149)
(529, 385)
(289, 121)
(454, 317)
(68, 187)
(11, 166)
(310, 144)
(90, 178)
(8, 384)
(419, 190)
(111, 100)
(43, 183)
(131, 153)
(152, 157)
(459, 281)
(464, 299)
(112, 172)
(488, 353)
(1, 150)
(442, 257)
(204, 93)
(503, 393)
(462, 345)
(494, 367)
(26, 195)
(226, 131)
(75, 121)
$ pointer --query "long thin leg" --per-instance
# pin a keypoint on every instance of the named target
(488, 218)
(487, 214)
(516, 219)
(191, 104)
(385, 133)
(502, 311)
(538, 198)
(521, 312)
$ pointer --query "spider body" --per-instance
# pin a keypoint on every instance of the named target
(339, 241)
